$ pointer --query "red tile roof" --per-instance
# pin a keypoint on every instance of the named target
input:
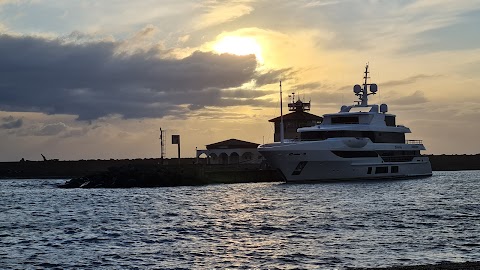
(232, 144)
(297, 116)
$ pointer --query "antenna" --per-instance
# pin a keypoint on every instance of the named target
(366, 77)
(364, 96)
(163, 135)
(362, 93)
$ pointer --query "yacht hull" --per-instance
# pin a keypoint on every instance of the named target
(304, 165)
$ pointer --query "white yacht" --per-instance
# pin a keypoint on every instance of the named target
(361, 141)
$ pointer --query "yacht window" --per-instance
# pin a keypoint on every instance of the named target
(323, 135)
(312, 136)
(398, 153)
(390, 120)
(345, 120)
(369, 171)
(398, 156)
(355, 154)
(381, 170)
(389, 137)
(376, 137)
(394, 169)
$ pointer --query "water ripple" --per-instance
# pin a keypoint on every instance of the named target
(242, 226)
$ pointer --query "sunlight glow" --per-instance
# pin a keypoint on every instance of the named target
(239, 46)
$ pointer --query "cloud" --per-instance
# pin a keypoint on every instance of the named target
(393, 83)
(408, 80)
(246, 94)
(51, 129)
(56, 129)
(425, 26)
(273, 76)
(93, 80)
(471, 69)
(308, 86)
(142, 40)
(318, 3)
(384, 26)
(4, 2)
(217, 12)
(417, 97)
(11, 123)
(225, 116)
(77, 37)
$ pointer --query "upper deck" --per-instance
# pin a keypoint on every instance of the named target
(361, 121)
(361, 116)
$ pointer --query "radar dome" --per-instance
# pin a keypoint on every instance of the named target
(383, 108)
(373, 88)
(357, 89)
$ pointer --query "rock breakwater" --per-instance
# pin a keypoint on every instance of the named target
(130, 176)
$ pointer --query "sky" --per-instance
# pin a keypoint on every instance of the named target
(97, 79)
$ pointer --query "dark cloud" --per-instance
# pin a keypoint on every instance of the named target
(274, 76)
(246, 94)
(11, 123)
(93, 80)
(194, 107)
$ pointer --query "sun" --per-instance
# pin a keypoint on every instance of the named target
(239, 46)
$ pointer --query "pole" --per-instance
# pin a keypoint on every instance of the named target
(282, 135)
(161, 146)
(179, 153)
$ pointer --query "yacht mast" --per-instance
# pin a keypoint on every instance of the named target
(364, 97)
(362, 92)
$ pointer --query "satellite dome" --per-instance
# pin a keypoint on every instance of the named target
(383, 108)
(373, 88)
(357, 89)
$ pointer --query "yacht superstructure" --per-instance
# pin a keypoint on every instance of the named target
(361, 141)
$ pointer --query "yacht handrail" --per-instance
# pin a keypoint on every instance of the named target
(414, 142)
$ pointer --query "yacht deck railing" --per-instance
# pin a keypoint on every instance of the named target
(413, 142)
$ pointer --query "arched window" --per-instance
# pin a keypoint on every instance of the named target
(234, 158)
(247, 156)
(223, 158)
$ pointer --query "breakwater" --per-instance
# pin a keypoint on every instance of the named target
(455, 162)
(69, 169)
(137, 172)
(52, 169)
(185, 169)
(129, 176)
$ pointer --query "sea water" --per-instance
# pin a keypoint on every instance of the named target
(242, 226)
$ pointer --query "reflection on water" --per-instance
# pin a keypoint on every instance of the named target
(264, 225)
